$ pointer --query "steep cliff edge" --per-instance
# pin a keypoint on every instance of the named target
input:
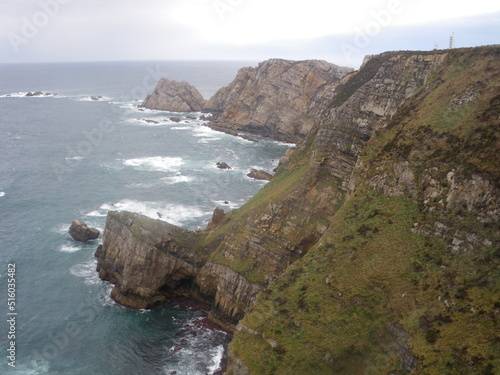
(278, 99)
(374, 249)
(405, 277)
(148, 260)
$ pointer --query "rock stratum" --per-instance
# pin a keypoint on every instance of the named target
(279, 99)
(373, 250)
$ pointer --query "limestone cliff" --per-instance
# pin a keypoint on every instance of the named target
(405, 278)
(374, 249)
(278, 99)
(147, 260)
(174, 96)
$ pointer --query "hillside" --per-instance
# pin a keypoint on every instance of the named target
(374, 249)
(405, 278)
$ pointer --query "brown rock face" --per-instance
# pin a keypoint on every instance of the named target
(174, 96)
(79, 231)
(147, 259)
(218, 218)
(278, 99)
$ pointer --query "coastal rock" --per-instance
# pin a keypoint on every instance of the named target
(174, 96)
(147, 260)
(223, 165)
(218, 218)
(260, 175)
(175, 119)
(36, 93)
(79, 231)
(278, 99)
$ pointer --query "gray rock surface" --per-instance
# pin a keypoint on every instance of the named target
(174, 96)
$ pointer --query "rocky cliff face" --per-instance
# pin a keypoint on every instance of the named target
(278, 99)
(147, 260)
(373, 249)
(404, 272)
(174, 96)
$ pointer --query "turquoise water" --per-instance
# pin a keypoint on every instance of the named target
(65, 156)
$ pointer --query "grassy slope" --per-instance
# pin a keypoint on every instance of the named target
(331, 310)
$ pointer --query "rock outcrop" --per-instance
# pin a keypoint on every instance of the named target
(147, 259)
(373, 248)
(260, 175)
(79, 231)
(278, 99)
(174, 96)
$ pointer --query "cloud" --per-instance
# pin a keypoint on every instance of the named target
(219, 29)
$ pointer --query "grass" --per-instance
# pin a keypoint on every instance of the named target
(374, 268)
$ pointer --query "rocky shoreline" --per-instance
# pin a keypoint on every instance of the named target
(360, 251)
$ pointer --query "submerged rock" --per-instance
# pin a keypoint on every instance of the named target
(223, 165)
(79, 231)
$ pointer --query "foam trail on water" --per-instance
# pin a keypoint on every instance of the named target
(175, 214)
(155, 163)
(87, 271)
(69, 248)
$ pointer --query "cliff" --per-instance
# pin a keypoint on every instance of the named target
(174, 96)
(374, 249)
(279, 99)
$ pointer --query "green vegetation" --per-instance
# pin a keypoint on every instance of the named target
(404, 282)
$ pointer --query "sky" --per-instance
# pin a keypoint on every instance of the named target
(342, 32)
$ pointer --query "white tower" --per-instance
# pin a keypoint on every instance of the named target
(452, 40)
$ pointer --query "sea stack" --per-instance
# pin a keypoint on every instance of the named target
(79, 231)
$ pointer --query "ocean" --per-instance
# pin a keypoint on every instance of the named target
(65, 155)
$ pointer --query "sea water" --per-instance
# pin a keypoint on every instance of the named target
(65, 155)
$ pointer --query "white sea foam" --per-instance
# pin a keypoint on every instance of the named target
(180, 128)
(69, 248)
(87, 271)
(88, 98)
(24, 95)
(217, 354)
(95, 213)
(206, 132)
(155, 163)
(207, 140)
(2, 194)
(173, 213)
(176, 179)
(62, 228)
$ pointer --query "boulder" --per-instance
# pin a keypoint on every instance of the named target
(175, 119)
(174, 96)
(223, 165)
(260, 175)
(79, 231)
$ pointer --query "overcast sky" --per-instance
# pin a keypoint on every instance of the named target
(342, 32)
